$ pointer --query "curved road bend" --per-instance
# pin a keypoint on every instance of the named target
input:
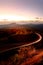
(34, 42)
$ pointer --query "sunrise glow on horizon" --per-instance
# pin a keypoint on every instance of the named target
(15, 18)
(21, 10)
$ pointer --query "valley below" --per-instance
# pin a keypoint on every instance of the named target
(21, 46)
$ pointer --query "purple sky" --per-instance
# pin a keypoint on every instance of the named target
(27, 8)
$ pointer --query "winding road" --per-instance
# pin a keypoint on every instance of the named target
(25, 44)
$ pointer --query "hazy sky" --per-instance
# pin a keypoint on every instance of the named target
(21, 9)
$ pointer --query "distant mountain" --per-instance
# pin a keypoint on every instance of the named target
(15, 25)
(8, 25)
(35, 26)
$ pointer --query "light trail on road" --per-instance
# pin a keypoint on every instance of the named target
(40, 37)
(28, 44)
